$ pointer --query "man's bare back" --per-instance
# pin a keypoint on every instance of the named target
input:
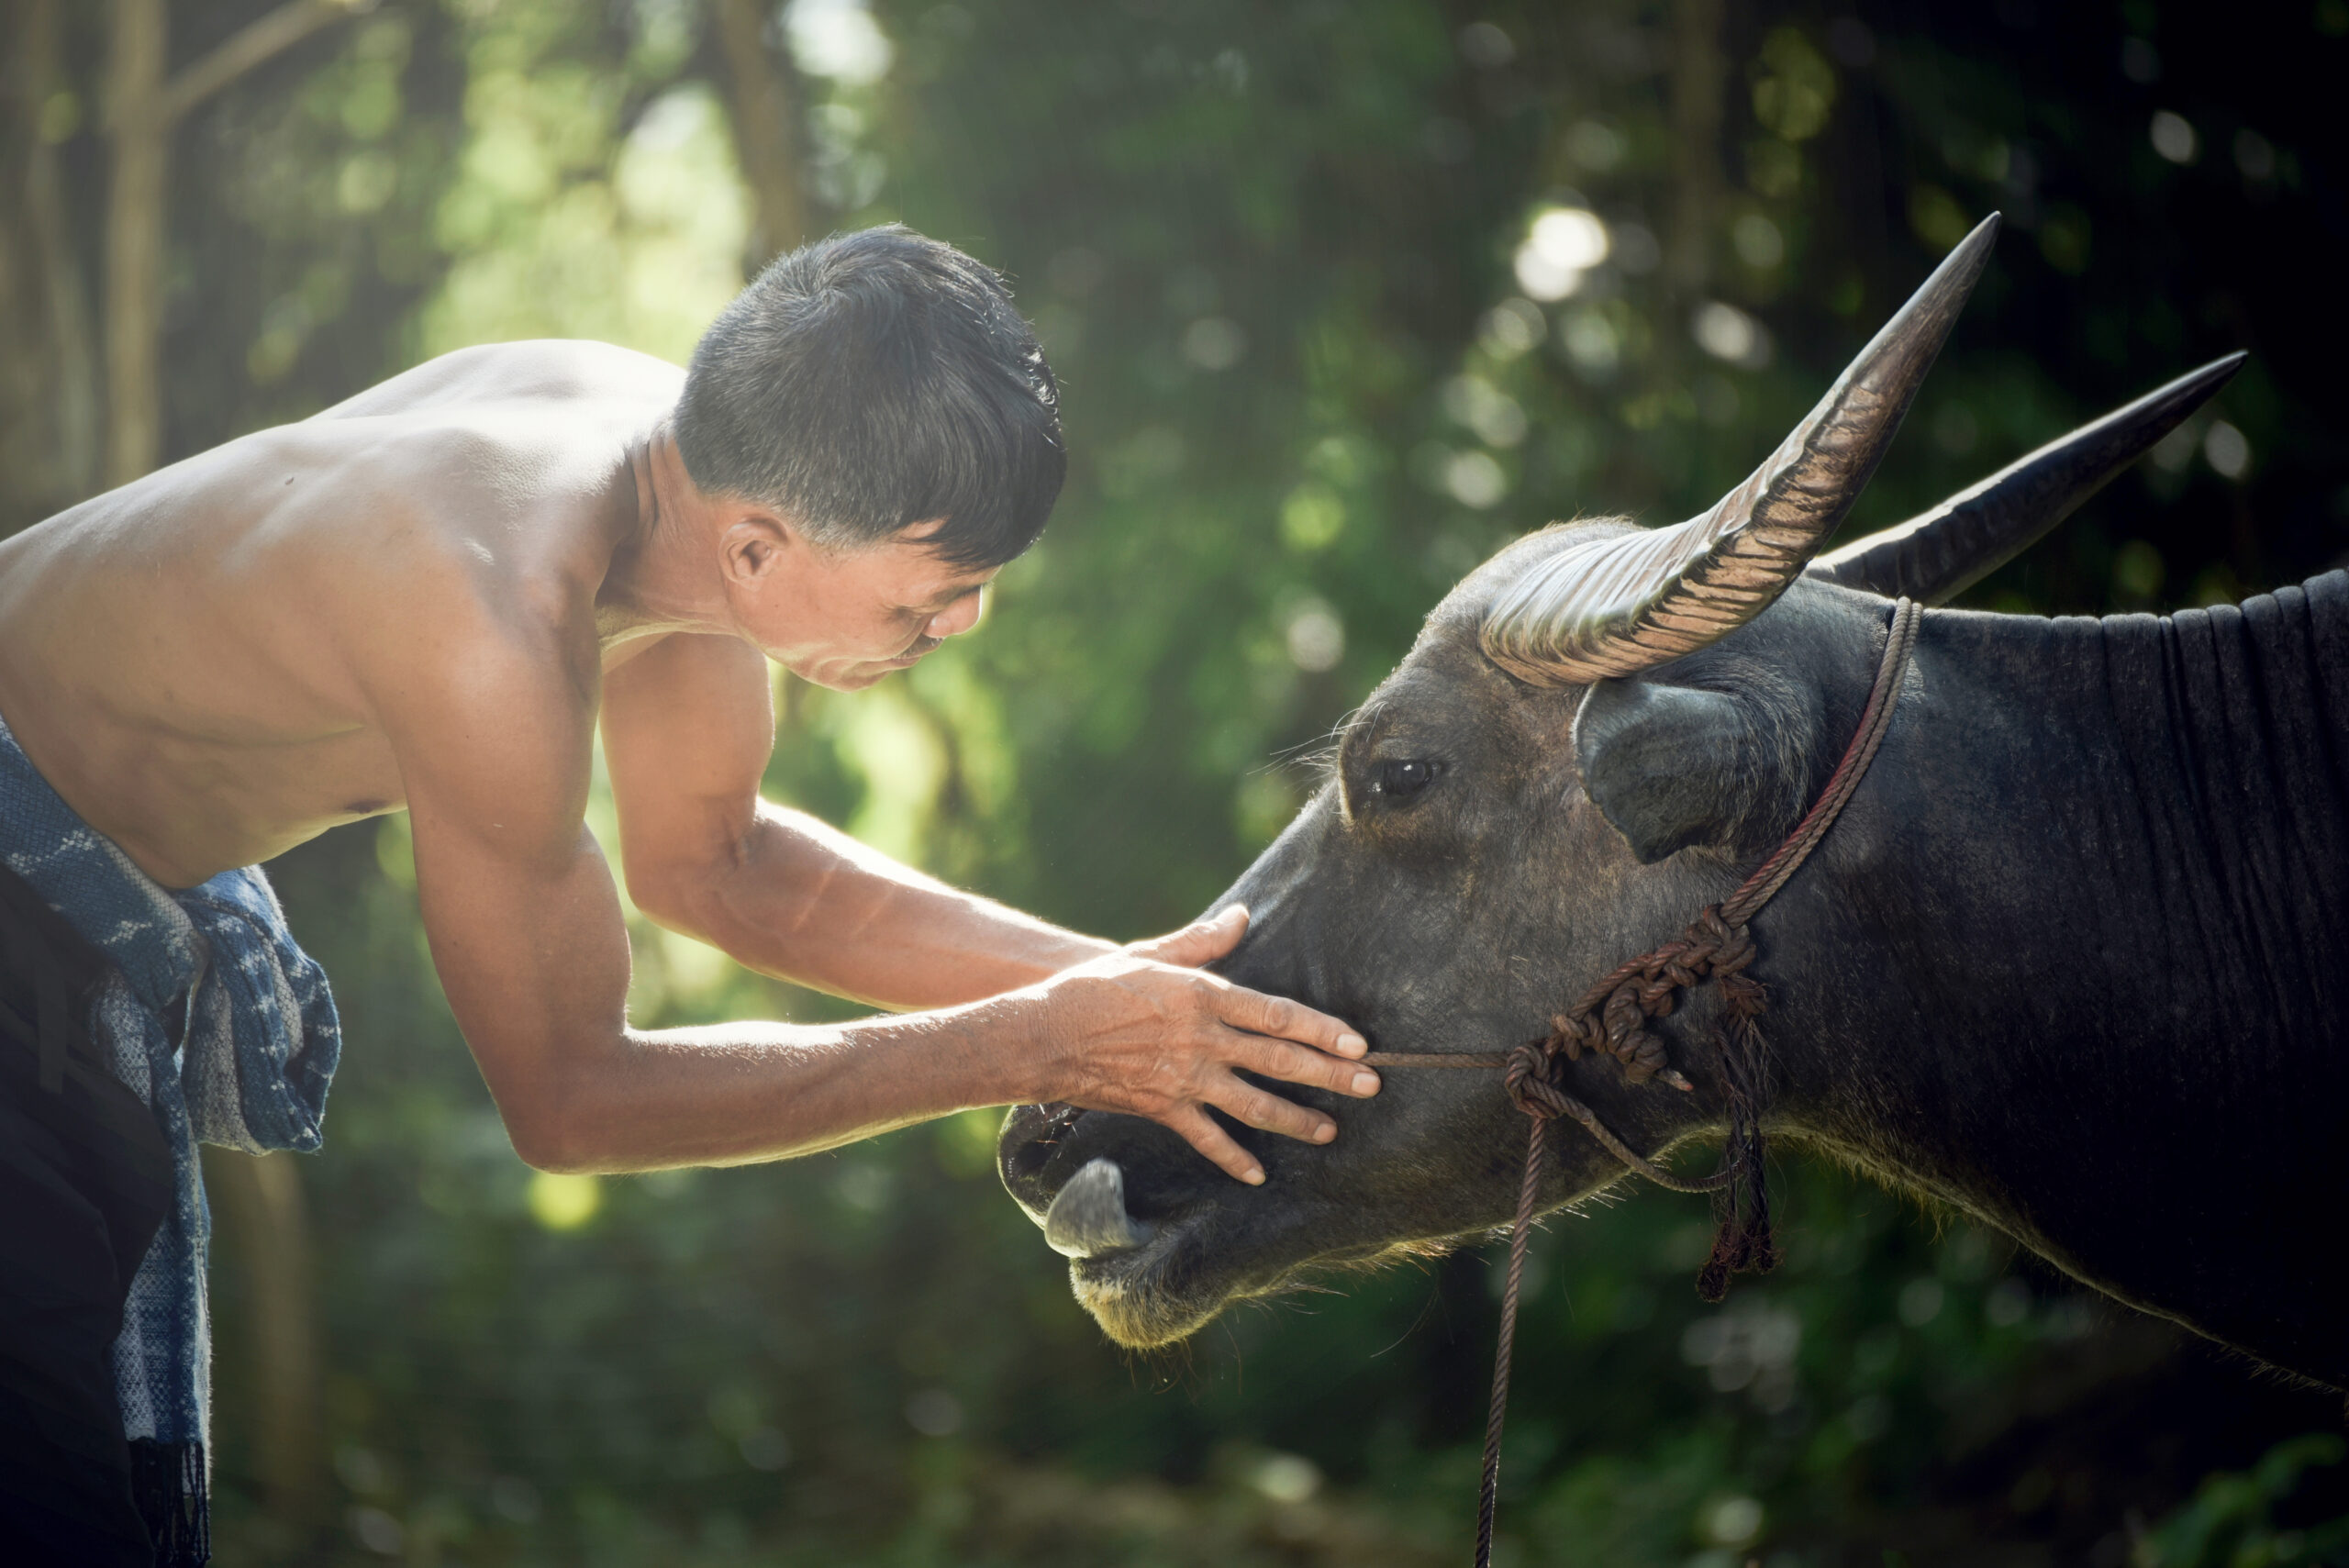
(198, 662)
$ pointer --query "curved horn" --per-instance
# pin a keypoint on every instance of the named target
(1934, 557)
(1616, 605)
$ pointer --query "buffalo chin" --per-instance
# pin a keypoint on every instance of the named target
(1149, 1296)
(1140, 1314)
(1141, 1307)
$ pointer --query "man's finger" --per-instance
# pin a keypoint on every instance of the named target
(1244, 1008)
(1201, 942)
(1199, 1129)
(1295, 1064)
(1270, 1113)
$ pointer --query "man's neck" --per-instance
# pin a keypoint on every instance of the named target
(661, 579)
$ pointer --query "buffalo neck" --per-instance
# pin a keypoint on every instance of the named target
(2081, 965)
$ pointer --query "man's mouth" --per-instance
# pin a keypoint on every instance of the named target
(922, 645)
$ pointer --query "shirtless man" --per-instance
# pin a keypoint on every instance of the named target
(426, 597)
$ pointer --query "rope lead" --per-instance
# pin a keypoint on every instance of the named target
(1612, 1019)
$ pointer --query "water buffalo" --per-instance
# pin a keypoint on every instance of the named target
(2074, 962)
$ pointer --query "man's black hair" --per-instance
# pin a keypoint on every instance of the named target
(870, 381)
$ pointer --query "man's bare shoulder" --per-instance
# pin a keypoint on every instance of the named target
(547, 372)
(479, 434)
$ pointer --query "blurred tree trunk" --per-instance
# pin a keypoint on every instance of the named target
(1699, 77)
(142, 110)
(766, 130)
(134, 264)
(265, 1227)
(48, 411)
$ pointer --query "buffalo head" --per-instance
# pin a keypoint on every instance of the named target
(1597, 733)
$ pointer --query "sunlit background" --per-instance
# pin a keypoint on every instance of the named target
(1342, 296)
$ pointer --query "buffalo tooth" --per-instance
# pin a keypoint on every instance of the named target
(1088, 1217)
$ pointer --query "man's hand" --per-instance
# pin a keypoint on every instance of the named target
(1143, 1032)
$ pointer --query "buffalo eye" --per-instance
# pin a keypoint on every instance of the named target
(1403, 778)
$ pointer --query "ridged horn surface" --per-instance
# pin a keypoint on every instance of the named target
(1616, 605)
(1936, 556)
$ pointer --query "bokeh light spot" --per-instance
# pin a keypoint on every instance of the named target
(1486, 47)
(1591, 341)
(1474, 480)
(2173, 137)
(1286, 1477)
(2227, 450)
(1939, 218)
(1513, 326)
(934, 1413)
(1214, 343)
(1560, 245)
(378, 1532)
(2137, 572)
(1729, 334)
(1316, 638)
(1733, 1521)
(2255, 156)
(1482, 408)
(1595, 145)
(838, 39)
(563, 1200)
(1759, 244)
(1312, 519)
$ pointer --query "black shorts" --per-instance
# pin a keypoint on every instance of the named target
(86, 1179)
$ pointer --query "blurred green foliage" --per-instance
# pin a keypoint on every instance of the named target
(2230, 1521)
(1342, 296)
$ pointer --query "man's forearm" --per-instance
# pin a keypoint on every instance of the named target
(1140, 1030)
(806, 903)
(735, 1093)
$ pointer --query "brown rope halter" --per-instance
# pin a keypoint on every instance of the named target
(1612, 1019)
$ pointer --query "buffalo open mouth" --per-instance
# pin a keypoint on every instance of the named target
(1148, 1280)
(1156, 1270)
(1168, 1289)
(1156, 1281)
(1149, 1296)
(1144, 1281)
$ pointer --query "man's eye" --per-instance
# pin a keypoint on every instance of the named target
(1402, 779)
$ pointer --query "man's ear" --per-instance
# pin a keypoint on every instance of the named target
(1673, 766)
(753, 543)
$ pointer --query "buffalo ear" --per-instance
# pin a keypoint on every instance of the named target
(1671, 766)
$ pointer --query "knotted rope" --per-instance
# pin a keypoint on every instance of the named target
(1612, 1019)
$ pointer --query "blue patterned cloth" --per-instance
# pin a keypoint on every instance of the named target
(212, 1017)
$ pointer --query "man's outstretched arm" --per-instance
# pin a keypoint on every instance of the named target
(526, 932)
(687, 729)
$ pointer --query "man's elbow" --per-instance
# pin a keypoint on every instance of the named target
(678, 898)
(552, 1131)
(550, 1150)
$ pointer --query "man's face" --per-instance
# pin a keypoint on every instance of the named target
(843, 619)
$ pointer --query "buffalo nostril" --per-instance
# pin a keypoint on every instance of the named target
(1088, 1217)
(1029, 1135)
(1026, 1159)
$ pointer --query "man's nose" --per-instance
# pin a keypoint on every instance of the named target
(959, 617)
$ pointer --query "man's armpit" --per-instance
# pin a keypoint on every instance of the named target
(688, 726)
(500, 755)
